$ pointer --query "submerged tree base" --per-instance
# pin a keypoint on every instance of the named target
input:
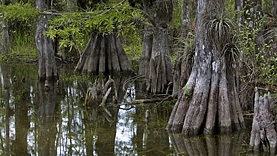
(209, 101)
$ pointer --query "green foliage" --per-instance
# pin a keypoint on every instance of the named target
(73, 28)
(187, 91)
(177, 14)
(19, 12)
(258, 49)
(21, 19)
(219, 29)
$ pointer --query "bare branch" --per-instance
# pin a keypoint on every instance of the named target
(83, 13)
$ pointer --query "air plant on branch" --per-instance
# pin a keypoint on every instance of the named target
(218, 29)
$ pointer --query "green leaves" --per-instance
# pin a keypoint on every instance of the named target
(187, 91)
(219, 29)
(74, 28)
(19, 12)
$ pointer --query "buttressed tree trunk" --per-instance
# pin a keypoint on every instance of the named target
(103, 55)
(209, 102)
(155, 60)
(47, 64)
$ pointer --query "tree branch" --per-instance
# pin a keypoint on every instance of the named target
(83, 13)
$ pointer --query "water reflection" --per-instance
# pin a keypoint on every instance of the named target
(36, 122)
(47, 119)
(236, 144)
(6, 86)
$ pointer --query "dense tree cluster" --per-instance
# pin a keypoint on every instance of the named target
(221, 49)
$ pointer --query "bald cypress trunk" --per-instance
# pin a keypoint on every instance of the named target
(103, 55)
(47, 64)
(155, 61)
(209, 100)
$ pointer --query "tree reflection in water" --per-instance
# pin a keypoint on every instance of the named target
(35, 122)
(216, 145)
(47, 120)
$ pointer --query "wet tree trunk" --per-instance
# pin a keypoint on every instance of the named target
(103, 55)
(155, 60)
(210, 100)
(47, 64)
(5, 44)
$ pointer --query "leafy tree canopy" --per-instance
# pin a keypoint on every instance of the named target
(19, 12)
(73, 28)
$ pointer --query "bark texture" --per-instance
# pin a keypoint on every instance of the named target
(47, 64)
(263, 134)
(103, 55)
(209, 101)
(5, 43)
(155, 61)
(183, 63)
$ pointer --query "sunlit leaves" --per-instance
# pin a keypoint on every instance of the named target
(19, 12)
(74, 28)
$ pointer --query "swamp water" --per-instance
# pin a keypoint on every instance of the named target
(36, 122)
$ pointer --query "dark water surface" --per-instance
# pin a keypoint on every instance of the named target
(36, 122)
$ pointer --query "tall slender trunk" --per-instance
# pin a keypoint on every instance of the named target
(185, 18)
(239, 12)
(179, 68)
(5, 44)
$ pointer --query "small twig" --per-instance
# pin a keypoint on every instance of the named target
(104, 101)
(168, 86)
(131, 80)
(166, 99)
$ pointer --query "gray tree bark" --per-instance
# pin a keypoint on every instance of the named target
(210, 98)
(5, 44)
(263, 134)
(274, 8)
(103, 55)
(182, 68)
(185, 18)
(155, 53)
(47, 64)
